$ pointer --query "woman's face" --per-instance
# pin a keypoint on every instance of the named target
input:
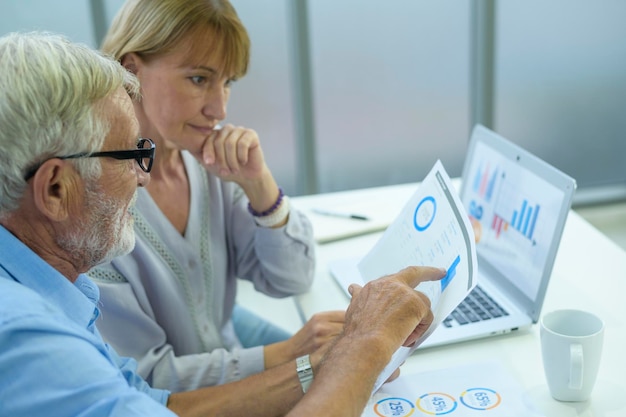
(183, 97)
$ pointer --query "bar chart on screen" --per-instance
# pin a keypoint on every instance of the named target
(503, 206)
(516, 214)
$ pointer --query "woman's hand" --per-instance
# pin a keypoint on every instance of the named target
(234, 153)
(316, 334)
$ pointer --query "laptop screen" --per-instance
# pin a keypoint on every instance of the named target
(518, 205)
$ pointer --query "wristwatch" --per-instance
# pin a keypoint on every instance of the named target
(305, 372)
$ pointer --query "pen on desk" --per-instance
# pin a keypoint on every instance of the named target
(339, 214)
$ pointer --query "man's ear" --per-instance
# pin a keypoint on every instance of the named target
(53, 186)
(131, 62)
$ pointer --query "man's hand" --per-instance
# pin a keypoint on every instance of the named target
(382, 316)
(390, 308)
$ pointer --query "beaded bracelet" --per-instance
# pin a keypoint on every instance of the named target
(276, 217)
(269, 211)
(275, 214)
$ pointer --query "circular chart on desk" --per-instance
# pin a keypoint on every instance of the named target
(436, 403)
(394, 407)
(480, 398)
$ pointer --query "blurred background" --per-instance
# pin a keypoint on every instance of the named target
(357, 93)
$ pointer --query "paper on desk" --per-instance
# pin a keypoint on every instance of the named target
(432, 229)
(478, 389)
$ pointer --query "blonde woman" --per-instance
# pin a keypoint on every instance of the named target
(212, 212)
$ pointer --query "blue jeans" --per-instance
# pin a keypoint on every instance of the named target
(252, 330)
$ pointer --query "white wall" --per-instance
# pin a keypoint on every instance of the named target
(391, 81)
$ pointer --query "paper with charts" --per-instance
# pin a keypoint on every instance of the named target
(432, 229)
(478, 389)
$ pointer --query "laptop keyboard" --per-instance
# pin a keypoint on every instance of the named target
(477, 306)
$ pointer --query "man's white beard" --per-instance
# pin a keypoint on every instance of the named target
(102, 234)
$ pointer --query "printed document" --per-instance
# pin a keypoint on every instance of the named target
(432, 229)
(478, 389)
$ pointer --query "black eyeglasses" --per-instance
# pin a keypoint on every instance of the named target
(144, 155)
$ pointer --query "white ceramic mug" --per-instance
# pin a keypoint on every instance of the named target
(571, 347)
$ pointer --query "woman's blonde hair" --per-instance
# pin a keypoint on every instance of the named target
(152, 28)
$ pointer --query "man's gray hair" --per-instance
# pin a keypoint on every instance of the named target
(50, 90)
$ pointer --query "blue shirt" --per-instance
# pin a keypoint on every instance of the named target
(53, 361)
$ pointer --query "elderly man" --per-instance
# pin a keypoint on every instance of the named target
(70, 164)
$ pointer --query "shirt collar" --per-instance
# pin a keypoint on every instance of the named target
(78, 301)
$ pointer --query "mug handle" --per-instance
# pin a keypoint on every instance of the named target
(576, 366)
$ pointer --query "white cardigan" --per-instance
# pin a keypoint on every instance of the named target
(168, 303)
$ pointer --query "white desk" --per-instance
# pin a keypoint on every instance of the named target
(590, 273)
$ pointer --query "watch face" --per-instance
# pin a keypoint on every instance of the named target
(303, 366)
(305, 372)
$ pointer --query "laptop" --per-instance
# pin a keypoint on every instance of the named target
(518, 205)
